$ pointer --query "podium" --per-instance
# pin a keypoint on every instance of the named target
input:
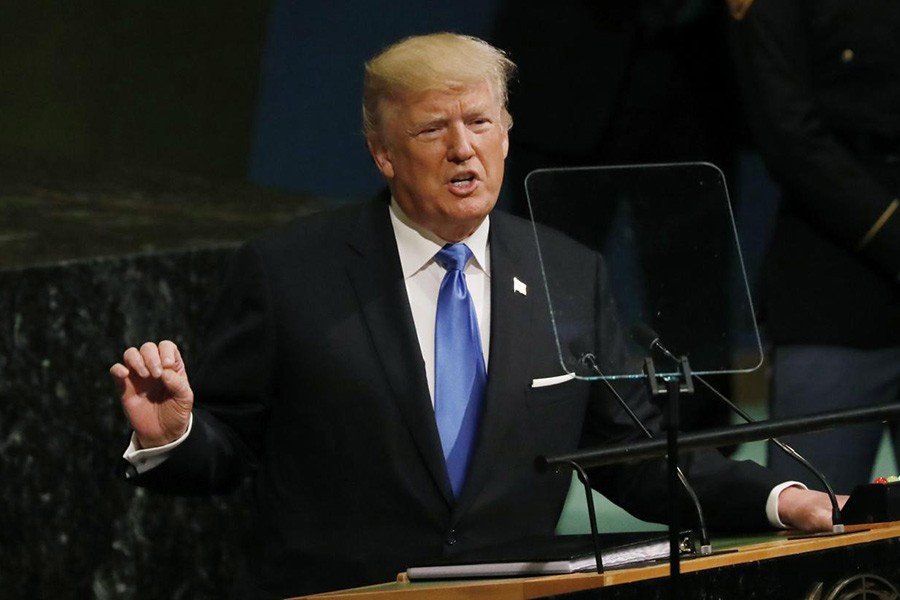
(865, 562)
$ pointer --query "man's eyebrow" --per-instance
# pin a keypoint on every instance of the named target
(428, 121)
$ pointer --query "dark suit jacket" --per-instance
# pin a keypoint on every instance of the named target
(314, 381)
(821, 83)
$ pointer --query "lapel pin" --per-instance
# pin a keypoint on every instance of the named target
(519, 287)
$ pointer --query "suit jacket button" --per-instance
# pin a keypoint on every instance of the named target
(451, 537)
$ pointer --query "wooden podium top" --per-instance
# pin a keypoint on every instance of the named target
(745, 550)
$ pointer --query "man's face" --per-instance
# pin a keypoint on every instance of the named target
(442, 153)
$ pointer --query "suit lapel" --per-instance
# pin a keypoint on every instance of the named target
(374, 269)
(512, 318)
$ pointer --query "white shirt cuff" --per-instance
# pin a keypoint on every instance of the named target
(772, 503)
(146, 458)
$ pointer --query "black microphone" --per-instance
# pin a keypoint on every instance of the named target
(650, 339)
(589, 360)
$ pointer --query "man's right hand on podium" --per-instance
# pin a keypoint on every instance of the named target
(156, 396)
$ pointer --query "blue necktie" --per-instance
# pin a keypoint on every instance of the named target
(460, 377)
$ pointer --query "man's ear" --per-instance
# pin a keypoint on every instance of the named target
(381, 155)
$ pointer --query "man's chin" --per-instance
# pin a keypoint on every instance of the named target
(472, 206)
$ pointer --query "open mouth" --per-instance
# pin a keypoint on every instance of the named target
(463, 181)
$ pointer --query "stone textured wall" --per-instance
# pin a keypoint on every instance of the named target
(69, 526)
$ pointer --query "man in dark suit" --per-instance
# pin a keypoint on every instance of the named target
(324, 376)
(822, 92)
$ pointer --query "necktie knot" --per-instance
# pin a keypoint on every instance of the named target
(453, 257)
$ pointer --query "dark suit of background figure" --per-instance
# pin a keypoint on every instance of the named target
(313, 380)
(626, 82)
(822, 89)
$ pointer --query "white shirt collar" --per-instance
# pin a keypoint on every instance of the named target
(417, 246)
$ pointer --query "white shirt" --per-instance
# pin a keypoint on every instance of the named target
(422, 276)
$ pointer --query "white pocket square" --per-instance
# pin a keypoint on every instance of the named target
(548, 381)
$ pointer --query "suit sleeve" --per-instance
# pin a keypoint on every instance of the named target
(232, 386)
(832, 189)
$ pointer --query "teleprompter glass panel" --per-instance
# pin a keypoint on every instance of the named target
(671, 269)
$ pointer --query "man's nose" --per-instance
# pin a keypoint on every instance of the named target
(459, 148)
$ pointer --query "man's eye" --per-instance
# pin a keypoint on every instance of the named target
(429, 131)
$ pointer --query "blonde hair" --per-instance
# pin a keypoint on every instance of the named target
(437, 61)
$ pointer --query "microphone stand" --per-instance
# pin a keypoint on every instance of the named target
(676, 475)
(836, 519)
(674, 386)
(592, 515)
(588, 359)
